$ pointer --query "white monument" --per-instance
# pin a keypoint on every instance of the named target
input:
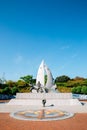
(44, 90)
(40, 80)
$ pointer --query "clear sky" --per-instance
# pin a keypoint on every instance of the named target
(33, 30)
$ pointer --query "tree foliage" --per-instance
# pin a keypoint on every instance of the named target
(79, 90)
(45, 79)
(14, 90)
(73, 90)
(28, 79)
(62, 78)
(63, 83)
(84, 90)
(11, 83)
(21, 84)
(6, 90)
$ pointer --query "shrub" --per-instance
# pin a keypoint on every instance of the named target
(73, 90)
(84, 90)
(78, 89)
(6, 90)
(62, 78)
(64, 89)
(14, 90)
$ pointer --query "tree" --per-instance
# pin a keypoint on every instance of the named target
(28, 79)
(62, 78)
(84, 90)
(33, 81)
(78, 78)
(6, 90)
(14, 90)
(45, 79)
(11, 83)
(73, 90)
(21, 84)
(78, 89)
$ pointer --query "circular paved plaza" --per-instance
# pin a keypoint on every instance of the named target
(41, 115)
(77, 122)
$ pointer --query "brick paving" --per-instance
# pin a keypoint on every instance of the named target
(78, 122)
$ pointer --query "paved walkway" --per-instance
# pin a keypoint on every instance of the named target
(78, 122)
(4, 108)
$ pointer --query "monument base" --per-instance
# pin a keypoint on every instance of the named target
(44, 95)
(55, 99)
(49, 102)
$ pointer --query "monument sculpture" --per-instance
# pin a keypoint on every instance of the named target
(43, 94)
(41, 86)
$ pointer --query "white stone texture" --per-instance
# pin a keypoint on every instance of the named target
(44, 95)
(38, 102)
(40, 74)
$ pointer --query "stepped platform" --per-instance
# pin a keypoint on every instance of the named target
(44, 95)
(55, 99)
(49, 102)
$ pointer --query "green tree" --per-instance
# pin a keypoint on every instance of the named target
(45, 79)
(11, 83)
(73, 90)
(21, 84)
(14, 90)
(78, 89)
(6, 90)
(28, 79)
(62, 78)
(84, 90)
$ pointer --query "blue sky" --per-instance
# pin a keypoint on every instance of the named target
(53, 30)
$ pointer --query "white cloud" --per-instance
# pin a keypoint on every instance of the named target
(65, 47)
(74, 55)
(18, 59)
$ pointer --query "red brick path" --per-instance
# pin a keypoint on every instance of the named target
(78, 122)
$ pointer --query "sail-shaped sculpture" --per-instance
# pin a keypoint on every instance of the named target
(40, 80)
(43, 69)
(41, 86)
(49, 82)
(40, 75)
